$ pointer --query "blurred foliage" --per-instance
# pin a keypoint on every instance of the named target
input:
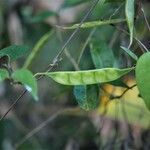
(118, 122)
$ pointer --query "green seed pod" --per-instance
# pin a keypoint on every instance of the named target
(87, 77)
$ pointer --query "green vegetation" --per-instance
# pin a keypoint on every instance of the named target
(97, 54)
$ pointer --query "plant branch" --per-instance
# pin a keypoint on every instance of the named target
(138, 41)
(120, 96)
(43, 124)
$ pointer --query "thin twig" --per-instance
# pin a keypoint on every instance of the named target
(116, 11)
(43, 124)
(125, 91)
(68, 55)
(139, 42)
(13, 104)
(71, 59)
(148, 26)
(57, 58)
(23, 129)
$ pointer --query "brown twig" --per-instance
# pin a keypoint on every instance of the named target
(125, 91)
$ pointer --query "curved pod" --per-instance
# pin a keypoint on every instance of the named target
(88, 77)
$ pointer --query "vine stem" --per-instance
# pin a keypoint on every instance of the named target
(57, 58)
(13, 104)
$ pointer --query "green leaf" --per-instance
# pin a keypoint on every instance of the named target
(87, 77)
(28, 80)
(93, 24)
(130, 53)
(143, 77)
(132, 106)
(3, 74)
(129, 11)
(87, 96)
(102, 55)
(99, 51)
(14, 51)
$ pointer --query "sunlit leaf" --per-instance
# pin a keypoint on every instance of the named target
(28, 80)
(129, 11)
(143, 77)
(14, 51)
(130, 104)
